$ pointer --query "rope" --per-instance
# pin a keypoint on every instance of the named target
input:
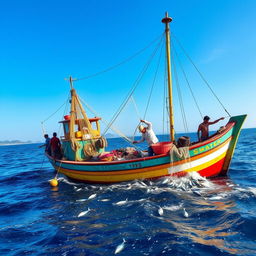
(180, 98)
(188, 84)
(122, 62)
(201, 75)
(153, 83)
(164, 99)
(150, 94)
(53, 113)
(65, 111)
(136, 107)
(123, 136)
(43, 129)
(136, 83)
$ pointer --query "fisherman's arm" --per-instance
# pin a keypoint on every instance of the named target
(139, 141)
(216, 121)
(149, 124)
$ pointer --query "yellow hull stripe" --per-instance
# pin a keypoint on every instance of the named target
(143, 175)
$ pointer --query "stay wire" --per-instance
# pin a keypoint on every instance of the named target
(54, 113)
(164, 99)
(114, 129)
(154, 80)
(151, 89)
(122, 62)
(186, 78)
(65, 109)
(136, 107)
(136, 83)
(180, 97)
(201, 75)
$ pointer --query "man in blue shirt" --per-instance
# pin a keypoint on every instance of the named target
(46, 144)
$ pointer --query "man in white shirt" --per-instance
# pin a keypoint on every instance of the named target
(148, 135)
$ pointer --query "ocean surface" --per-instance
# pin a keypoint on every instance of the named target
(168, 216)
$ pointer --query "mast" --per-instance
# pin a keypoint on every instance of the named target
(71, 82)
(167, 20)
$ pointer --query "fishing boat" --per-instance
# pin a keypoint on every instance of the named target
(83, 146)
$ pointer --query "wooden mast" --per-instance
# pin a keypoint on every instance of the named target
(167, 20)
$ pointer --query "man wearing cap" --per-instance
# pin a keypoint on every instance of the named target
(148, 135)
(203, 128)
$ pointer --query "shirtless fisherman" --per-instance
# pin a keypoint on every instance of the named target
(203, 128)
(148, 135)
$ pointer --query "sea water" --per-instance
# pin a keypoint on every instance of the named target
(168, 216)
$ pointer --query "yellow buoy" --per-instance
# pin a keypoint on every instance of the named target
(54, 182)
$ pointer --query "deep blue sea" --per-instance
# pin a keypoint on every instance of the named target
(168, 216)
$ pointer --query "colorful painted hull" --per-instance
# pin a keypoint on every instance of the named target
(209, 158)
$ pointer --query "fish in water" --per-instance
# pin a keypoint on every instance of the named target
(160, 211)
(83, 213)
(197, 193)
(81, 200)
(143, 184)
(216, 198)
(165, 181)
(173, 207)
(122, 202)
(120, 247)
(185, 213)
(92, 196)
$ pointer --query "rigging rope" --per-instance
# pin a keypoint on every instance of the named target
(153, 83)
(183, 114)
(151, 91)
(122, 62)
(64, 112)
(136, 107)
(186, 78)
(200, 74)
(123, 136)
(136, 83)
(54, 113)
(165, 98)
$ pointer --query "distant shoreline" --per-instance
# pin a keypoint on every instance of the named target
(21, 143)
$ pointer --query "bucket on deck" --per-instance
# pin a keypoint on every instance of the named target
(67, 117)
(162, 147)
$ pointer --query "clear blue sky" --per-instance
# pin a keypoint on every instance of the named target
(42, 42)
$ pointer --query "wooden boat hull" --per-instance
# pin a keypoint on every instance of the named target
(209, 158)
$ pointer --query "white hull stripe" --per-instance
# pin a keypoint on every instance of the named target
(200, 161)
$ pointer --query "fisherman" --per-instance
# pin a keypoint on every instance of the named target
(203, 128)
(148, 135)
(55, 146)
(46, 144)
